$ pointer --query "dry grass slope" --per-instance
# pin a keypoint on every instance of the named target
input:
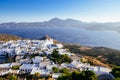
(7, 37)
(97, 55)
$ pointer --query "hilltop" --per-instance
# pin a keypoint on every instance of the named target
(99, 56)
(7, 37)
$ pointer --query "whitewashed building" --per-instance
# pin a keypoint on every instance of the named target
(26, 68)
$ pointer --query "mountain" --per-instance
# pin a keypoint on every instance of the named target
(45, 37)
(56, 22)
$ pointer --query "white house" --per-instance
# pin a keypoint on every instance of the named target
(42, 72)
(5, 71)
(75, 64)
(50, 66)
(26, 68)
(101, 70)
(37, 59)
(6, 66)
(97, 69)
(55, 75)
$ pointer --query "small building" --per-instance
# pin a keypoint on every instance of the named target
(97, 69)
(42, 72)
(5, 68)
(75, 64)
(4, 71)
(37, 59)
(55, 75)
(26, 68)
(50, 66)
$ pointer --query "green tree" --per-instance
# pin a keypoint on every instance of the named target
(57, 58)
(55, 69)
(116, 71)
(76, 75)
(116, 79)
(30, 77)
(8, 75)
(64, 70)
(55, 53)
(13, 77)
(15, 67)
(89, 75)
(36, 75)
(65, 77)
(65, 58)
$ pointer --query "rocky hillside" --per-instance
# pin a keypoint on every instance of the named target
(95, 54)
(7, 37)
(48, 37)
(94, 61)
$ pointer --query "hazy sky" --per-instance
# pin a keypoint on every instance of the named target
(41, 10)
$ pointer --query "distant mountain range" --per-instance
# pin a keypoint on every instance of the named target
(56, 22)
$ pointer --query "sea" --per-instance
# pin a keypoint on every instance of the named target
(72, 35)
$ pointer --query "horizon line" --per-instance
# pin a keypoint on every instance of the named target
(61, 19)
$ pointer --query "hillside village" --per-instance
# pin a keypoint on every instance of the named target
(36, 56)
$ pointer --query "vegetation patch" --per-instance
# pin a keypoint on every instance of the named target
(15, 67)
(57, 58)
(107, 56)
(7, 37)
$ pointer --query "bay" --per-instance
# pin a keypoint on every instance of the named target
(74, 35)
